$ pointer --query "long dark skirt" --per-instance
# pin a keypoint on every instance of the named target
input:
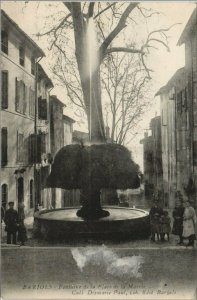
(22, 234)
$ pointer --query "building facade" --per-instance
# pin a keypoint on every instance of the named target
(153, 171)
(18, 64)
(179, 124)
(43, 154)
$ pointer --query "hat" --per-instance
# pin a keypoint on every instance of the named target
(11, 202)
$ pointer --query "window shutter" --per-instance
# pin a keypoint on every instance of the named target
(195, 153)
(4, 41)
(42, 108)
(34, 148)
(4, 89)
(4, 146)
(39, 107)
(20, 147)
(25, 99)
(17, 94)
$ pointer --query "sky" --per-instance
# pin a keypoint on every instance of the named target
(30, 16)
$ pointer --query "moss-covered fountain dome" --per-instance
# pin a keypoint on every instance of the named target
(90, 169)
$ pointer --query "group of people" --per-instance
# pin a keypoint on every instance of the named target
(14, 224)
(184, 220)
(160, 223)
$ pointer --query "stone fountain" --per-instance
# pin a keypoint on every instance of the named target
(91, 168)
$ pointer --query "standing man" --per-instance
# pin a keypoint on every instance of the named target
(11, 222)
(155, 214)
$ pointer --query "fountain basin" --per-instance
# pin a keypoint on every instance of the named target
(63, 224)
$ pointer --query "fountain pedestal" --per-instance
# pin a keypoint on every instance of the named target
(63, 224)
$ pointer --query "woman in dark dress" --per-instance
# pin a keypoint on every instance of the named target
(178, 221)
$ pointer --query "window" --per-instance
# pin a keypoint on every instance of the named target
(31, 194)
(35, 148)
(42, 108)
(33, 65)
(31, 102)
(4, 41)
(195, 118)
(22, 56)
(4, 146)
(20, 96)
(43, 142)
(4, 196)
(195, 90)
(20, 147)
(195, 153)
(179, 102)
(32, 149)
(4, 89)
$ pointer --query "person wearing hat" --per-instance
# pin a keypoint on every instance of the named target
(177, 214)
(11, 222)
(155, 214)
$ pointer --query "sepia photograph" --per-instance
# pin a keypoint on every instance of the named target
(98, 150)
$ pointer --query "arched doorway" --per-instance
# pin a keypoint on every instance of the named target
(4, 196)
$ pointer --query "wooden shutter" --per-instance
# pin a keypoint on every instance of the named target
(17, 94)
(4, 146)
(24, 98)
(20, 147)
(4, 89)
(42, 108)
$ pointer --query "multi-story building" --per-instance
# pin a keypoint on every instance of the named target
(153, 173)
(18, 64)
(189, 97)
(179, 121)
(43, 145)
(170, 134)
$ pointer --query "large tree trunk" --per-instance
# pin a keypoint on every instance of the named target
(92, 97)
(90, 81)
(91, 86)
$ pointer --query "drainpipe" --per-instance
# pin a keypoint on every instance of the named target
(175, 133)
(191, 112)
(35, 131)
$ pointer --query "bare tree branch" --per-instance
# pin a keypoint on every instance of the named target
(121, 24)
(123, 49)
(105, 9)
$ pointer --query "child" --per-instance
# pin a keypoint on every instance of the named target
(165, 226)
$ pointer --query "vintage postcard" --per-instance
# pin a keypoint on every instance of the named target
(98, 150)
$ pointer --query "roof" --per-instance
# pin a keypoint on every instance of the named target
(164, 89)
(146, 139)
(53, 98)
(190, 27)
(80, 135)
(66, 118)
(15, 27)
(43, 74)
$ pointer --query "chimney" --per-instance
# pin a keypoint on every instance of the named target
(146, 134)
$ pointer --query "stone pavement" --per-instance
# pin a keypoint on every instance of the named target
(136, 270)
(99, 272)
